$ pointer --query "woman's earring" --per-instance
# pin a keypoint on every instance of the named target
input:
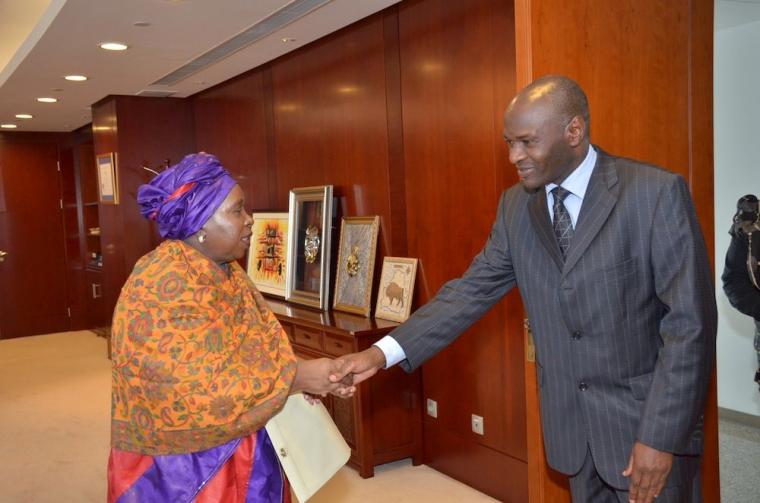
(201, 238)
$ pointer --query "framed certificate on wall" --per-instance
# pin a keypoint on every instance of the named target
(108, 186)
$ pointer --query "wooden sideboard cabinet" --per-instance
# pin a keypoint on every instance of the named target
(383, 421)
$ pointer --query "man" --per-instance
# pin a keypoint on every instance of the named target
(613, 271)
(741, 276)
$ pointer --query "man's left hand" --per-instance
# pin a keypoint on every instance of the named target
(647, 470)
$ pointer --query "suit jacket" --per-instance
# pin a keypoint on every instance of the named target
(624, 328)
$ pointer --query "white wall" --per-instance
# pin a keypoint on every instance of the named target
(737, 172)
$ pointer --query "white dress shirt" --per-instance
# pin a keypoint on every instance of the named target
(576, 183)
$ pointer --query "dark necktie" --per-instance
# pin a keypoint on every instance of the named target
(563, 226)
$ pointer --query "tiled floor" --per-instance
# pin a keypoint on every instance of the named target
(739, 462)
(54, 408)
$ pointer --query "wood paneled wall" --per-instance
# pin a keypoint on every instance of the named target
(141, 132)
(401, 112)
(233, 121)
(647, 69)
(457, 76)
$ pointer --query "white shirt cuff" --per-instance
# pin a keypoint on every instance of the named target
(392, 351)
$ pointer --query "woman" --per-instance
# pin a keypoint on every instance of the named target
(200, 364)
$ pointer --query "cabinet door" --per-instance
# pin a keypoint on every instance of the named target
(95, 316)
(343, 414)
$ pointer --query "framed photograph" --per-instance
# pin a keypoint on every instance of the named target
(108, 181)
(309, 234)
(356, 264)
(394, 297)
(268, 253)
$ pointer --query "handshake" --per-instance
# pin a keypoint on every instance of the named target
(339, 376)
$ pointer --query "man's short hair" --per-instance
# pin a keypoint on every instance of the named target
(567, 96)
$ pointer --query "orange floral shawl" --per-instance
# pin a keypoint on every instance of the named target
(198, 357)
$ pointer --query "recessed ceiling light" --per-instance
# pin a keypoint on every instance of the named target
(8, 126)
(56, 89)
(24, 116)
(141, 24)
(75, 78)
(47, 100)
(285, 40)
(113, 46)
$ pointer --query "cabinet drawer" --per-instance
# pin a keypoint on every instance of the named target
(337, 346)
(308, 338)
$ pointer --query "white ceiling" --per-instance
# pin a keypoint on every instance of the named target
(731, 13)
(43, 40)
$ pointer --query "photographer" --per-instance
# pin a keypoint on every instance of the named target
(741, 278)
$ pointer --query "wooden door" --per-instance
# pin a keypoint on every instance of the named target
(647, 69)
(32, 273)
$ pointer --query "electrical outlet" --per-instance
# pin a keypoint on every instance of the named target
(432, 408)
(477, 424)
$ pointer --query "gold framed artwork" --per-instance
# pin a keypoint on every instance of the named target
(356, 264)
(268, 253)
(394, 296)
(309, 240)
(108, 180)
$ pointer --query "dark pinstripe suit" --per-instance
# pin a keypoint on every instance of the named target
(624, 329)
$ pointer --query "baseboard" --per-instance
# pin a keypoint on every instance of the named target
(489, 471)
(739, 417)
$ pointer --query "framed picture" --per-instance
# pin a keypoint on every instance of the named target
(394, 297)
(356, 264)
(309, 233)
(268, 253)
(108, 181)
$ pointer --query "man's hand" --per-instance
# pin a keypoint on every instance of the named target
(648, 470)
(359, 366)
(314, 376)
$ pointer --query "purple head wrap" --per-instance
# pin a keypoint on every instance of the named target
(184, 196)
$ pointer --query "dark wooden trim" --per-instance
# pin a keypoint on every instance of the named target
(396, 174)
(701, 183)
(271, 138)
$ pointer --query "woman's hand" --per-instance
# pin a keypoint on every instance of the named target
(313, 376)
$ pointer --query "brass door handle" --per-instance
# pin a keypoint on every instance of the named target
(530, 346)
(2, 255)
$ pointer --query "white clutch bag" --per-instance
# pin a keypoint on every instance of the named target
(308, 444)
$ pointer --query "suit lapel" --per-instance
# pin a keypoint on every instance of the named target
(539, 217)
(601, 196)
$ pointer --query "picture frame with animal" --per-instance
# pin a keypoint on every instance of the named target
(394, 296)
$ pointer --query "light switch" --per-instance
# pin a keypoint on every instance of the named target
(432, 408)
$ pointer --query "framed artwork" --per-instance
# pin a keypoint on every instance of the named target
(268, 253)
(394, 297)
(108, 181)
(356, 264)
(309, 234)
